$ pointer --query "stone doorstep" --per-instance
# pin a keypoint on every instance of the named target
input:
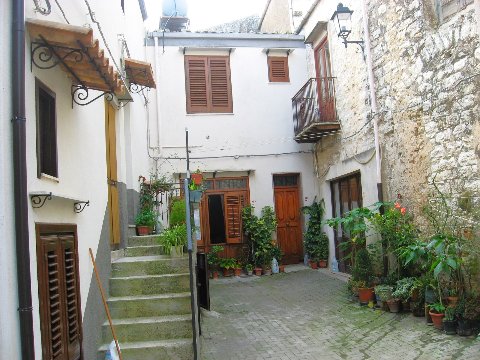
(146, 277)
(149, 297)
(149, 320)
(151, 344)
(143, 250)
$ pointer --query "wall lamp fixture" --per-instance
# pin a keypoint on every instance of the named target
(342, 18)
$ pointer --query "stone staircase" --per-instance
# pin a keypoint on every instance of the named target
(149, 303)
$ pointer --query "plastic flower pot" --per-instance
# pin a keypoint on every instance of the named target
(393, 305)
(365, 295)
(464, 328)
(450, 327)
(437, 320)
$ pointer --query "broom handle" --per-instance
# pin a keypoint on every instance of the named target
(105, 303)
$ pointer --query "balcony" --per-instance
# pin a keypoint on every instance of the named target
(314, 114)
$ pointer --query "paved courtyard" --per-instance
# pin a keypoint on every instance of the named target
(306, 314)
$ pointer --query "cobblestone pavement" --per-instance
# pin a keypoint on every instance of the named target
(307, 315)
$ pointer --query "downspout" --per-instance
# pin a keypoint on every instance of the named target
(20, 180)
(157, 93)
(373, 99)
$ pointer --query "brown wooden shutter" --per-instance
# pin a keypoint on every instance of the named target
(196, 84)
(220, 86)
(71, 296)
(278, 69)
(234, 202)
(60, 318)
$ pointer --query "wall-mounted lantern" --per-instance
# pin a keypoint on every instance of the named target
(342, 19)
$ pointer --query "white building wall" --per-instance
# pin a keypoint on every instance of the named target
(81, 154)
(261, 122)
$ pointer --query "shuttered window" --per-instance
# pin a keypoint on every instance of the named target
(208, 84)
(234, 203)
(278, 69)
(59, 295)
(46, 131)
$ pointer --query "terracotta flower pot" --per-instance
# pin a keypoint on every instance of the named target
(322, 264)
(437, 320)
(365, 295)
(393, 305)
(258, 271)
(313, 265)
(227, 273)
(237, 272)
(281, 268)
(143, 230)
(215, 275)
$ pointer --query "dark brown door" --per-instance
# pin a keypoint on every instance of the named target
(346, 196)
(287, 210)
(325, 87)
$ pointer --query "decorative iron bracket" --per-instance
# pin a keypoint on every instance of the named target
(79, 206)
(80, 95)
(38, 200)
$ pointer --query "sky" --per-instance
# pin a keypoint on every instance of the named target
(207, 13)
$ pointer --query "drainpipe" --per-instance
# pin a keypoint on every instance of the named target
(373, 99)
(157, 93)
(20, 180)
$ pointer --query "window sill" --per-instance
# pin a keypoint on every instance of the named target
(209, 114)
(49, 177)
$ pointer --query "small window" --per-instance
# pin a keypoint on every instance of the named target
(448, 8)
(285, 180)
(46, 131)
(208, 85)
(278, 69)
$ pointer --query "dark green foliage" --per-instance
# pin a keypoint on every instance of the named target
(177, 212)
(212, 257)
(315, 240)
(146, 217)
(362, 269)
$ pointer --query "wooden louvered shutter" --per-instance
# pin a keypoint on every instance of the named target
(51, 299)
(196, 84)
(220, 85)
(72, 304)
(58, 282)
(234, 203)
(278, 69)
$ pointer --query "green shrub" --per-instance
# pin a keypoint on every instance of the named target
(177, 212)
(362, 270)
(146, 217)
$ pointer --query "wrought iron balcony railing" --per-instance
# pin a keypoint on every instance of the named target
(314, 112)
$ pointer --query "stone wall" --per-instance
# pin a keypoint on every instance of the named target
(426, 75)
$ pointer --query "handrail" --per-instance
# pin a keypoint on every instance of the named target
(105, 304)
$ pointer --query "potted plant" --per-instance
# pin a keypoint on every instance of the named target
(214, 260)
(278, 255)
(403, 290)
(237, 269)
(227, 264)
(450, 321)
(196, 178)
(315, 240)
(249, 268)
(174, 239)
(437, 313)
(468, 311)
(323, 250)
(362, 271)
(145, 221)
(383, 292)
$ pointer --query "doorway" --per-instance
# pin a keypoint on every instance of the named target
(111, 153)
(287, 210)
(216, 219)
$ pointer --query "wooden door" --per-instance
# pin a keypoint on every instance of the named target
(325, 87)
(287, 210)
(113, 202)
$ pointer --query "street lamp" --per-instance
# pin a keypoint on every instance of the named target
(342, 18)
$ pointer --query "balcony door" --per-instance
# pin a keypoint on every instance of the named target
(325, 86)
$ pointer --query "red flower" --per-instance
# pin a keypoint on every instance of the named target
(403, 211)
(397, 205)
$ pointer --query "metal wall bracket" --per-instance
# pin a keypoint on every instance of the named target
(79, 206)
(38, 200)
(80, 95)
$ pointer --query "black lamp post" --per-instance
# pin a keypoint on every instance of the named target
(342, 18)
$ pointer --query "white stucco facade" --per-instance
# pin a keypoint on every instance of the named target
(81, 153)
(257, 137)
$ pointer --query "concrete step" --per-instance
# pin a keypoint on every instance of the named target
(149, 305)
(143, 240)
(144, 250)
(149, 284)
(178, 349)
(149, 265)
(132, 230)
(150, 329)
